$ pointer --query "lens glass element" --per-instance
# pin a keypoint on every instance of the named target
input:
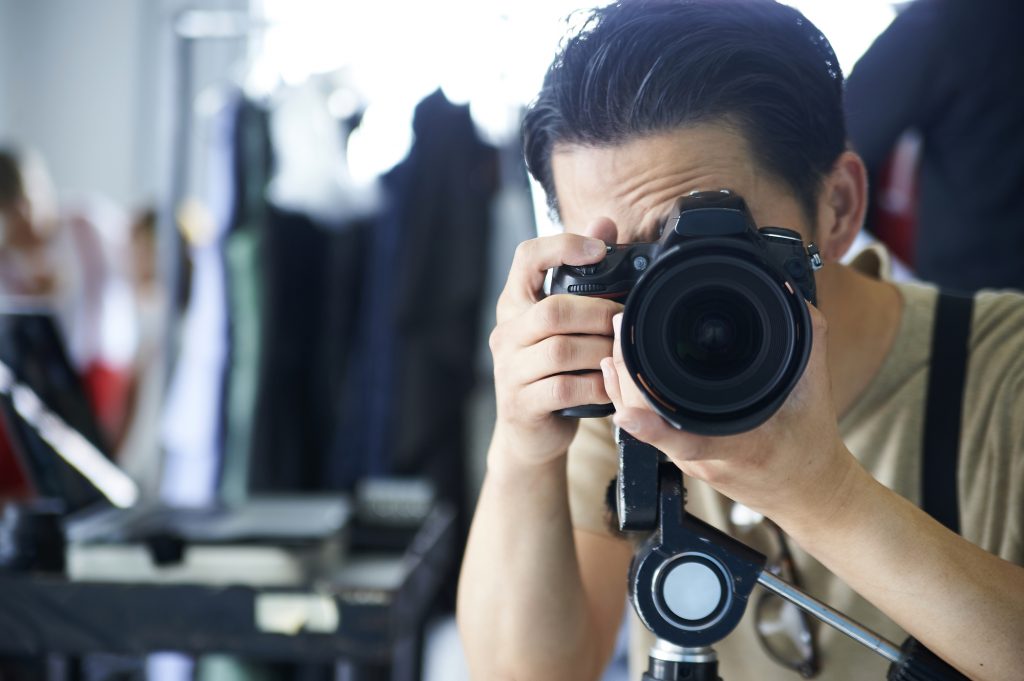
(715, 333)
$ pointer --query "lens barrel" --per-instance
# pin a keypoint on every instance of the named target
(715, 336)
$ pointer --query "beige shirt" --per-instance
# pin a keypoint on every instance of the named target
(884, 430)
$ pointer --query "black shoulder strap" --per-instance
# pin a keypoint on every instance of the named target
(943, 407)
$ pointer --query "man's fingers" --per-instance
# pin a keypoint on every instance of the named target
(535, 257)
(559, 354)
(631, 410)
(563, 391)
(566, 314)
(631, 395)
(611, 381)
(647, 426)
(644, 425)
(634, 415)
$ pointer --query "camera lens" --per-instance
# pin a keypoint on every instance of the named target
(715, 333)
(715, 338)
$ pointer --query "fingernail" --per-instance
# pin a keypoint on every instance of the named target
(617, 323)
(593, 247)
(606, 367)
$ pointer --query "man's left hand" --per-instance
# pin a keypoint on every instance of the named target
(792, 468)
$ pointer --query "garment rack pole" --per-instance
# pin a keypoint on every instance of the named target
(190, 28)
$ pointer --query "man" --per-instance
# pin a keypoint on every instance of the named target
(653, 100)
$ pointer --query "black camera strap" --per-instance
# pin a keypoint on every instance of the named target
(940, 454)
(944, 407)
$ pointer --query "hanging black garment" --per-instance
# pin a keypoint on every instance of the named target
(404, 409)
(312, 285)
(294, 291)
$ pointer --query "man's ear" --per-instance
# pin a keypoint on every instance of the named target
(842, 206)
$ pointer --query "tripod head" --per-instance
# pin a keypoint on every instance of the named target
(688, 581)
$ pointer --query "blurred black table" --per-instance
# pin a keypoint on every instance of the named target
(382, 595)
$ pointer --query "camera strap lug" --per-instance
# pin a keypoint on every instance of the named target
(814, 256)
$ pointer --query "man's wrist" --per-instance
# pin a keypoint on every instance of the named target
(509, 461)
(832, 505)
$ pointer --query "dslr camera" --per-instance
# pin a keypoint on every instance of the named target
(715, 331)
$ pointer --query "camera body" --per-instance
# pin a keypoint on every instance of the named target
(715, 331)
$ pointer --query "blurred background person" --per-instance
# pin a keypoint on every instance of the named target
(28, 226)
(69, 259)
(28, 222)
(949, 71)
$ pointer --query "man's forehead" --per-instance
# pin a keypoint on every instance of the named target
(638, 181)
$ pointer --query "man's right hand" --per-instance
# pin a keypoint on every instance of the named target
(538, 339)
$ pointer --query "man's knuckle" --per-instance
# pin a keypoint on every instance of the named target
(560, 351)
(525, 251)
(603, 308)
(569, 244)
(562, 390)
(593, 388)
(496, 340)
(551, 312)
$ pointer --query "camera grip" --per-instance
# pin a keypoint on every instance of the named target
(588, 411)
(612, 279)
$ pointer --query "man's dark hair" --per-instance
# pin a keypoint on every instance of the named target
(639, 67)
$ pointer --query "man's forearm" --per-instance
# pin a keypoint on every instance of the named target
(965, 604)
(522, 609)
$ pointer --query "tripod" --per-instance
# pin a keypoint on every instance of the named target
(689, 582)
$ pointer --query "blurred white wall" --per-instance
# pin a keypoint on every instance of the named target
(89, 84)
(4, 59)
(6, 56)
(72, 76)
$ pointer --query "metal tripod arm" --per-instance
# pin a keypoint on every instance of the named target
(911, 662)
(829, 616)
